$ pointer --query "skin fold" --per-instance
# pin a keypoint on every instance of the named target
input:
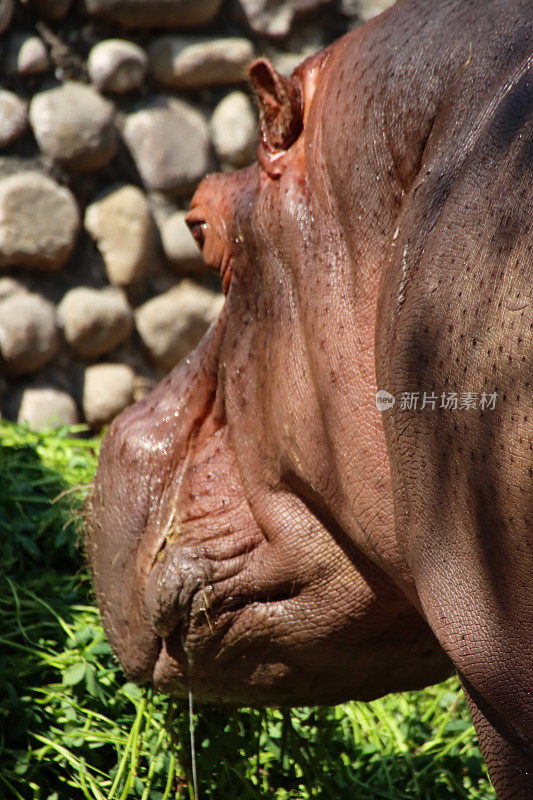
(258, 531)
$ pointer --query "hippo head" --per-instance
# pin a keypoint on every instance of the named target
(240, 530)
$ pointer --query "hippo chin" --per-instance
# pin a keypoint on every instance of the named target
(258, 530)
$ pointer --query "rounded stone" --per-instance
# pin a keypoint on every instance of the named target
(13, 117)
(39, 222)
(74, 126)
(107, 390)
(286, 63)
(275, 19)
(121, 224)
(234, 130)
(183, 63)
(26, 55)
(117, 66)
(171, 324)
(179, 246)
(365, 9)
(9, 287)
(52, 9)
(350, 7)
(271, 19)
(47, 408)
(155, 13)
(28, 333)
(6, 13)
(95, 321)
(169, 143)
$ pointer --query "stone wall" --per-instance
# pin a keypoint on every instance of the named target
(111, 112)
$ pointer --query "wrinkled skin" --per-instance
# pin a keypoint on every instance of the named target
(258, 531)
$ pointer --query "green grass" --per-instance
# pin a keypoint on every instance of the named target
(72, 727)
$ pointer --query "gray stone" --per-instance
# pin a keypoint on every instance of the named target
(179, 246)
(47, 408)
(6, 13)
(234, 130)
(173, 323)
(52, 9)
(155, 13)
(95, 321)
(350, 7)
(74, 126)
(118, 66)
(169, 143)
(9, 287)
(28, 333)
(306, 39)
(365, 9)
(286, 63)
(39, 222)
(26, 55)
(184, 63)
(121, 225)
(274, 18)
(13, 117)
(107, 390)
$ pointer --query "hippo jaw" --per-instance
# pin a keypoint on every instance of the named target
(243, 593)
(193, 590)
(249, 602)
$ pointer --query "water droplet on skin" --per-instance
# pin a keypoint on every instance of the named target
(401, 293)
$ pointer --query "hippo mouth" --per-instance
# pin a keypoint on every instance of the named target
(129, 509)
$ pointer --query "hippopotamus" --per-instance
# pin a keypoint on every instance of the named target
(331, 497)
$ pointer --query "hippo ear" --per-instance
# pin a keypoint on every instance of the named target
(280, 107)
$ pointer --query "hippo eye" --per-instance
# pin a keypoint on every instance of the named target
(197, 229)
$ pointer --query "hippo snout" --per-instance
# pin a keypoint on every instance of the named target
(116, 511)
(143, 585)
(149, 581)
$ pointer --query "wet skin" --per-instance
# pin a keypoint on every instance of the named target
(258, 530)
